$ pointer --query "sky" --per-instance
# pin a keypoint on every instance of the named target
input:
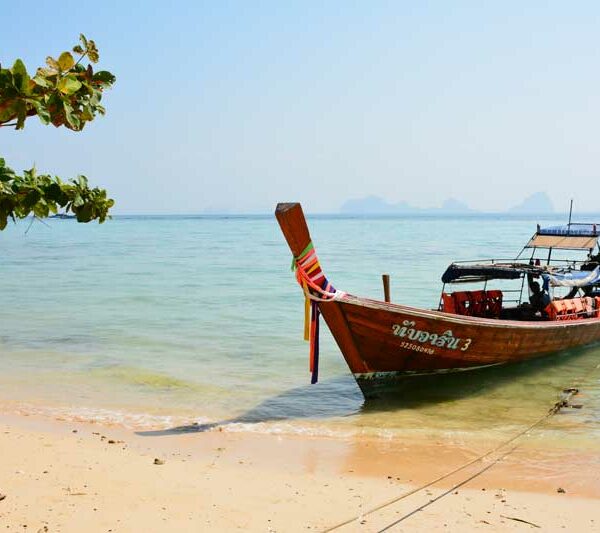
(234, 106)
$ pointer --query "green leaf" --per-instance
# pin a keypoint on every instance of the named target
(20, 77)
(55, 193)
(56, 108)
(71, 117)
(69, 85)
(6, 78)
(66, 61)
(8, 111)
(41, 81)
(87, 113)
(85, 213)
(105, 77)
(31, 198)
(42, 112)
(92, 51)
(21, 108)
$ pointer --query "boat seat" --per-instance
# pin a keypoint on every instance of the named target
(484, 304)
(494, 303)
(448, 303)
(557, 310)
(477, 303)
(578, 309)
(462, 303)
(589, 306)
(573, 308)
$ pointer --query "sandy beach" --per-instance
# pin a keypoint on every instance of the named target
(61, 476)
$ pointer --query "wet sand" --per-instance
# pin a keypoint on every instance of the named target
(72, 477)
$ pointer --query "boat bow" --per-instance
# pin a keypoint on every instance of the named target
(319, 293)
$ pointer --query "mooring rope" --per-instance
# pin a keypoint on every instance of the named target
(563, 402)
(448, 491)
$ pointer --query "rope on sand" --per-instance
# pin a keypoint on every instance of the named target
(563, 402)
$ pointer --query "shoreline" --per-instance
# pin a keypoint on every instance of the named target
(55, 473)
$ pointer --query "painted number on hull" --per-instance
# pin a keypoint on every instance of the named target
(445, 340)
(416, 348)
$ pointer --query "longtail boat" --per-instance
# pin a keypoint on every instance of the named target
(383, 343)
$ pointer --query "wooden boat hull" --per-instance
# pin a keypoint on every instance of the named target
(391, 342)
(385, 342)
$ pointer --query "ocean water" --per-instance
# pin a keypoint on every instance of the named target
(161, 322)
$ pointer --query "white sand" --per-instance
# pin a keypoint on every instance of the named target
(68, 478)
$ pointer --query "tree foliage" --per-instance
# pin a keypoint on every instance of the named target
(41, 195)
(63, 93)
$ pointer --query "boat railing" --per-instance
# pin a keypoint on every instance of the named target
(513, 261)
(492, 260)
(516, 299)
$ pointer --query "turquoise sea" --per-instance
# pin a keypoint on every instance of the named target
(162, 321)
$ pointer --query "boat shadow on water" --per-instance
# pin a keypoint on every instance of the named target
(335, 397)
(340, 397)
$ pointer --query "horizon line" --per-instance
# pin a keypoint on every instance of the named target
(417, 212)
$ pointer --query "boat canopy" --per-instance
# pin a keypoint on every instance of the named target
(572, 236)
(574, 278)
(576, 229)
(556, 277)
(469, 273)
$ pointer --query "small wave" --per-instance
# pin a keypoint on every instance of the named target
(148, 424)
(108, 417)
(279, 428)
(138, 421)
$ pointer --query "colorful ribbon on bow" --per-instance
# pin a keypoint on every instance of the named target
(316, 289)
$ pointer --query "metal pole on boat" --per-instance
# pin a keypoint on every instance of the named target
(570, 213)
(386, 287)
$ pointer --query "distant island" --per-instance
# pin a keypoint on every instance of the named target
(538, 203)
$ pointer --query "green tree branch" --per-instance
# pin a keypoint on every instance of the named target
(64, 93)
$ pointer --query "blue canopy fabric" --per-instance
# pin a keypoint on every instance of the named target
(577, 230)
(576, 278)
